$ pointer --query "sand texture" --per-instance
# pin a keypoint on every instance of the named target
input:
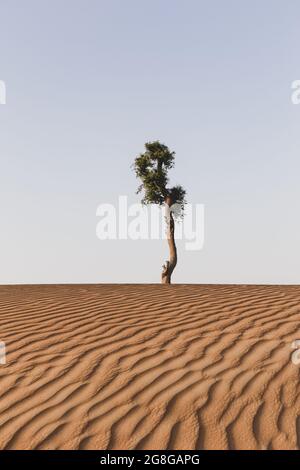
(149, 367)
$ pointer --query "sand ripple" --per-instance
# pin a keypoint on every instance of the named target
(149, 367)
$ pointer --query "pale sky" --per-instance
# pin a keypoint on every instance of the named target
(88, 82)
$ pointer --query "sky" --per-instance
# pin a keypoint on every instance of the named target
(89, 82)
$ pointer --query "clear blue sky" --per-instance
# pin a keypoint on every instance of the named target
(88, 82)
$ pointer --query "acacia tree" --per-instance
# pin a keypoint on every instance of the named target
(151, 167)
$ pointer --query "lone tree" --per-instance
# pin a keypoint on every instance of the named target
(152, 168)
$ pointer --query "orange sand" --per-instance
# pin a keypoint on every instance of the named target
(149, 367)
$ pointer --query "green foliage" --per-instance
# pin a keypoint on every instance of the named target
(151, 168)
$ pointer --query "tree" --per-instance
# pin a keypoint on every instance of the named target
(151, 168)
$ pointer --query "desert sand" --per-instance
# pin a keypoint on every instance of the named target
(149, 367)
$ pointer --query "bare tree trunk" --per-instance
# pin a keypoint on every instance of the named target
(169, 267)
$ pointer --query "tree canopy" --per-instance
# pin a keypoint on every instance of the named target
(151, 167)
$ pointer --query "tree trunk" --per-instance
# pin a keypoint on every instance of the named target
(169, 267)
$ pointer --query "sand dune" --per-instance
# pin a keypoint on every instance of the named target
(149, 367)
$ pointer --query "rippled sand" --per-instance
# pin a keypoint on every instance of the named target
(149, 367)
